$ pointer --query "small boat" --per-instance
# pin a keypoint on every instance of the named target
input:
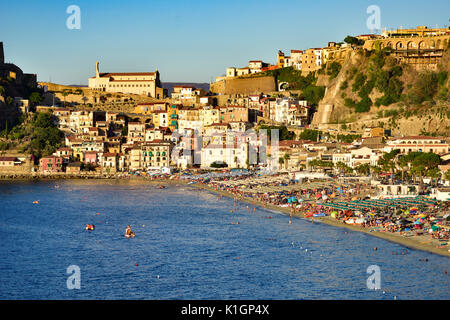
(90, 227)
(162, 187)
(131, 235)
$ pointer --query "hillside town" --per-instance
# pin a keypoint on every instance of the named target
(195, 129)
(185, 151)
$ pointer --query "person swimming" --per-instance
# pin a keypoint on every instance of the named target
(128, 232)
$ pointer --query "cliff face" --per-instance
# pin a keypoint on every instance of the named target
(332, 104)
(399, 97)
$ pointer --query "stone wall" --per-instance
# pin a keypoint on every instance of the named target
(253, 85)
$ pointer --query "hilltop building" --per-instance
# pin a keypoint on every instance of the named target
(420, 47)
(142, 83)
(10, 70)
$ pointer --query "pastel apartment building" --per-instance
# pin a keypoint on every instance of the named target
(51, 164)
(150, 155)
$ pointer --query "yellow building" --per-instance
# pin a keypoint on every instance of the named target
(280, 59)
(209, 115)
(160, 119)
(420, 31)
(172, 113)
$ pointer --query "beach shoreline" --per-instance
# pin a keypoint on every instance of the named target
(411, 242)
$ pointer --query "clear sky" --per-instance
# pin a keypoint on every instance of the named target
(188, 41)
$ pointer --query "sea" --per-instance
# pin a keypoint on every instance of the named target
(191, 244)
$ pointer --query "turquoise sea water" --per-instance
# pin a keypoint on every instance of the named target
(188, 245)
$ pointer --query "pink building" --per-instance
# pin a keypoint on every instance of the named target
(91, 157)
(51, 164)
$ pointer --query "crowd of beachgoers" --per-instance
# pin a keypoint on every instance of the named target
(351, 203)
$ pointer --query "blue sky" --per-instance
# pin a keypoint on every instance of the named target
(188, 41)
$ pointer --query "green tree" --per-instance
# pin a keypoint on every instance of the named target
(359, 81)
(313, 94)
(286, 158)
(363, 169)
(36, 98)
(309, 134)
(447, 175)
(334, 69)
(353, 41)
(65, 93)
(434, 174)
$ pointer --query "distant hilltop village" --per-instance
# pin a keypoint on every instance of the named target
(141, 83)
(421, 47)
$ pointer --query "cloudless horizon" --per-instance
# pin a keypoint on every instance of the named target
(186, 41)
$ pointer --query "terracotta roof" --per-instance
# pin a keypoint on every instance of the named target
(185, 87)
(218, 125)
(8, 158)
(150, 103)
(109, 154)
(108, 74)
(415, 138)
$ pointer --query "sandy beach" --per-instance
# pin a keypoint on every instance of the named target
(424, 243)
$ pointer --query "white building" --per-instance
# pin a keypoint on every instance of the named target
(417, 144)
(142, 83)
(234, 155)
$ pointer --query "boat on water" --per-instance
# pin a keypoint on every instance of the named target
(131, 235)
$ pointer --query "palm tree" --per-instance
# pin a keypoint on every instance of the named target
(434, 174)
(363, 169)
(418, 171)
(404, 163)
(65, 93)
(376, 170)
(286, 158)
(280, 161)
(447, 175)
